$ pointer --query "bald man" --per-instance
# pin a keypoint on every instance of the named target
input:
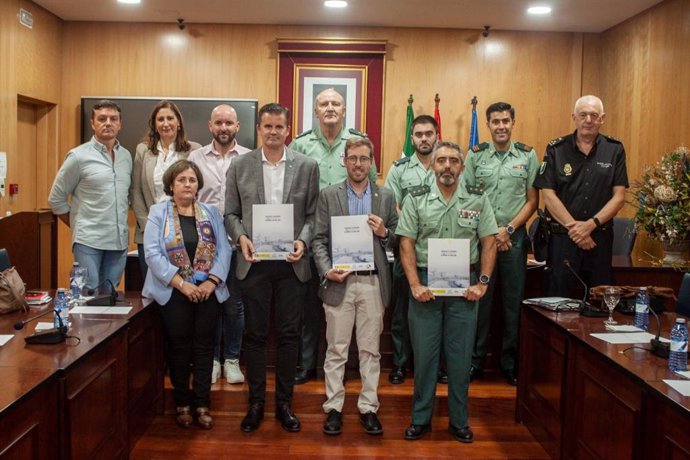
(583, 180)
(214, 161)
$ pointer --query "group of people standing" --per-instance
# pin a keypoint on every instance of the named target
(194, 206)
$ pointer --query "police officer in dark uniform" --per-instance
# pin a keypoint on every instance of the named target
(583, 178)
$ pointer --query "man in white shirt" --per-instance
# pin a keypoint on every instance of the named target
(214, 161)
(272, 174)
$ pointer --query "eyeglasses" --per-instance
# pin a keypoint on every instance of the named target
(592, 115)
(353, 160)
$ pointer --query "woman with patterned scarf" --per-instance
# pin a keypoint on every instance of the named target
(188, 255)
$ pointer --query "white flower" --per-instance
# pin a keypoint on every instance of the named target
(665, 194)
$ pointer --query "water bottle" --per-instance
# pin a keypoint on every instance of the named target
(678, 356)
(642, 309)
(62, 307)
(73, 286)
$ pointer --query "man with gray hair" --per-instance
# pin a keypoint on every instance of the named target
(583, 179)
(447, 209)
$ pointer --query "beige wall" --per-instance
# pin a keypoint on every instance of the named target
(640, 68)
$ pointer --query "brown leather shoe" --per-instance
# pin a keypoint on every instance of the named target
(183, 417)
(203, 418)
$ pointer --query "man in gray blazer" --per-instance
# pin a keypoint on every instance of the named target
(354, 298)
(272, 174)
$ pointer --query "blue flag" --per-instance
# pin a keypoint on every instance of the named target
(474, 130)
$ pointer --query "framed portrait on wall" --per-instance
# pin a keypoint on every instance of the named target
(354, 68)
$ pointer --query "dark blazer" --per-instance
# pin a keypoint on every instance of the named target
(333, 202)
(245, 188)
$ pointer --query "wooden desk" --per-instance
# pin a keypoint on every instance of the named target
(584, 398)
(98, 395)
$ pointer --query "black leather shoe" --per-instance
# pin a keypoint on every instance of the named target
(397, 376)
(303, 376)
(371, 423)
(442, 376)
(461, 434)
(416, 431)
(475, 373)
(287, 419)
(333, 423)
(253, 419)
(510, 377)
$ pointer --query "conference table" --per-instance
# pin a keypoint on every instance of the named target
(81, 399)
(582, 397)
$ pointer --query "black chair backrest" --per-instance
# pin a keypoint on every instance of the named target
(4, 260)
(624, 235)
(683, 304)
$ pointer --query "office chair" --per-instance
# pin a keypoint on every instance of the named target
(4, 260)
(683, 303)
(624, 236)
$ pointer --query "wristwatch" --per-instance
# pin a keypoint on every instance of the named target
(510, 229)
(484, 279)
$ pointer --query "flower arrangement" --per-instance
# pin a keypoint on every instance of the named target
(663, 198)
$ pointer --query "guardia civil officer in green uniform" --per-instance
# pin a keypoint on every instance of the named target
(583, 180)
(326, 145)
(505, 171)
(446, 210)
(407, 175)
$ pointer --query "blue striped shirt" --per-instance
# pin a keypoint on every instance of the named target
(358, 205)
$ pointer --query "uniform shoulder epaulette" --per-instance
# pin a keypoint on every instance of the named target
(612, 139)
(304, 133)
(357, 133)
(418, 190)
(474, 190)
(523, 147)
(556, 141)
(401, 161)
(480, 147)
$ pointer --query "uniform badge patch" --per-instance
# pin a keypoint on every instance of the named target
(567, 169)
(471, 214)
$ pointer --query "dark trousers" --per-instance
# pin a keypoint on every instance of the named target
(400, 332)
(313, 321)
(190, 330)
(593, 266)
(267, 281)
(509, 277)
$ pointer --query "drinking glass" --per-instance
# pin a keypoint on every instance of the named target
(81, 275)
(611, 297)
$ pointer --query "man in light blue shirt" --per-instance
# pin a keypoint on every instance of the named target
(97, 176)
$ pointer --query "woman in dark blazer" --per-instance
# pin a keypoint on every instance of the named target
(188, 255)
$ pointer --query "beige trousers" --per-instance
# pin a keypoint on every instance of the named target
(361, 307)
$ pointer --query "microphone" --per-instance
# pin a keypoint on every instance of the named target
(48, 336)
(585, 308)
(659, 348)
(109, 299)
(19, 325)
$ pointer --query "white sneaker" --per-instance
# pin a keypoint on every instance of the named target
(216, 371)
(232, 371)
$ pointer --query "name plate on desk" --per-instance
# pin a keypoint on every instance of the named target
(448, 266)
(272, 231)
(352, 243)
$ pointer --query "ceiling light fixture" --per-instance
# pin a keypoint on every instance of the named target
(130, 2)
(539, 10)
(335, 3)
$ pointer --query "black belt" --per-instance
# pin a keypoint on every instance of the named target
(366, 272)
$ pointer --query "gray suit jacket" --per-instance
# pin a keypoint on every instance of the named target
(333, 202)
(245, 188)
(142, 190)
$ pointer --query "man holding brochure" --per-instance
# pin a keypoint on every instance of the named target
(287, 182)
(355, 223)
(447, 211)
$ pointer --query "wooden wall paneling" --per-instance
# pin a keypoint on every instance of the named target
(24, 174)
(8, 83)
